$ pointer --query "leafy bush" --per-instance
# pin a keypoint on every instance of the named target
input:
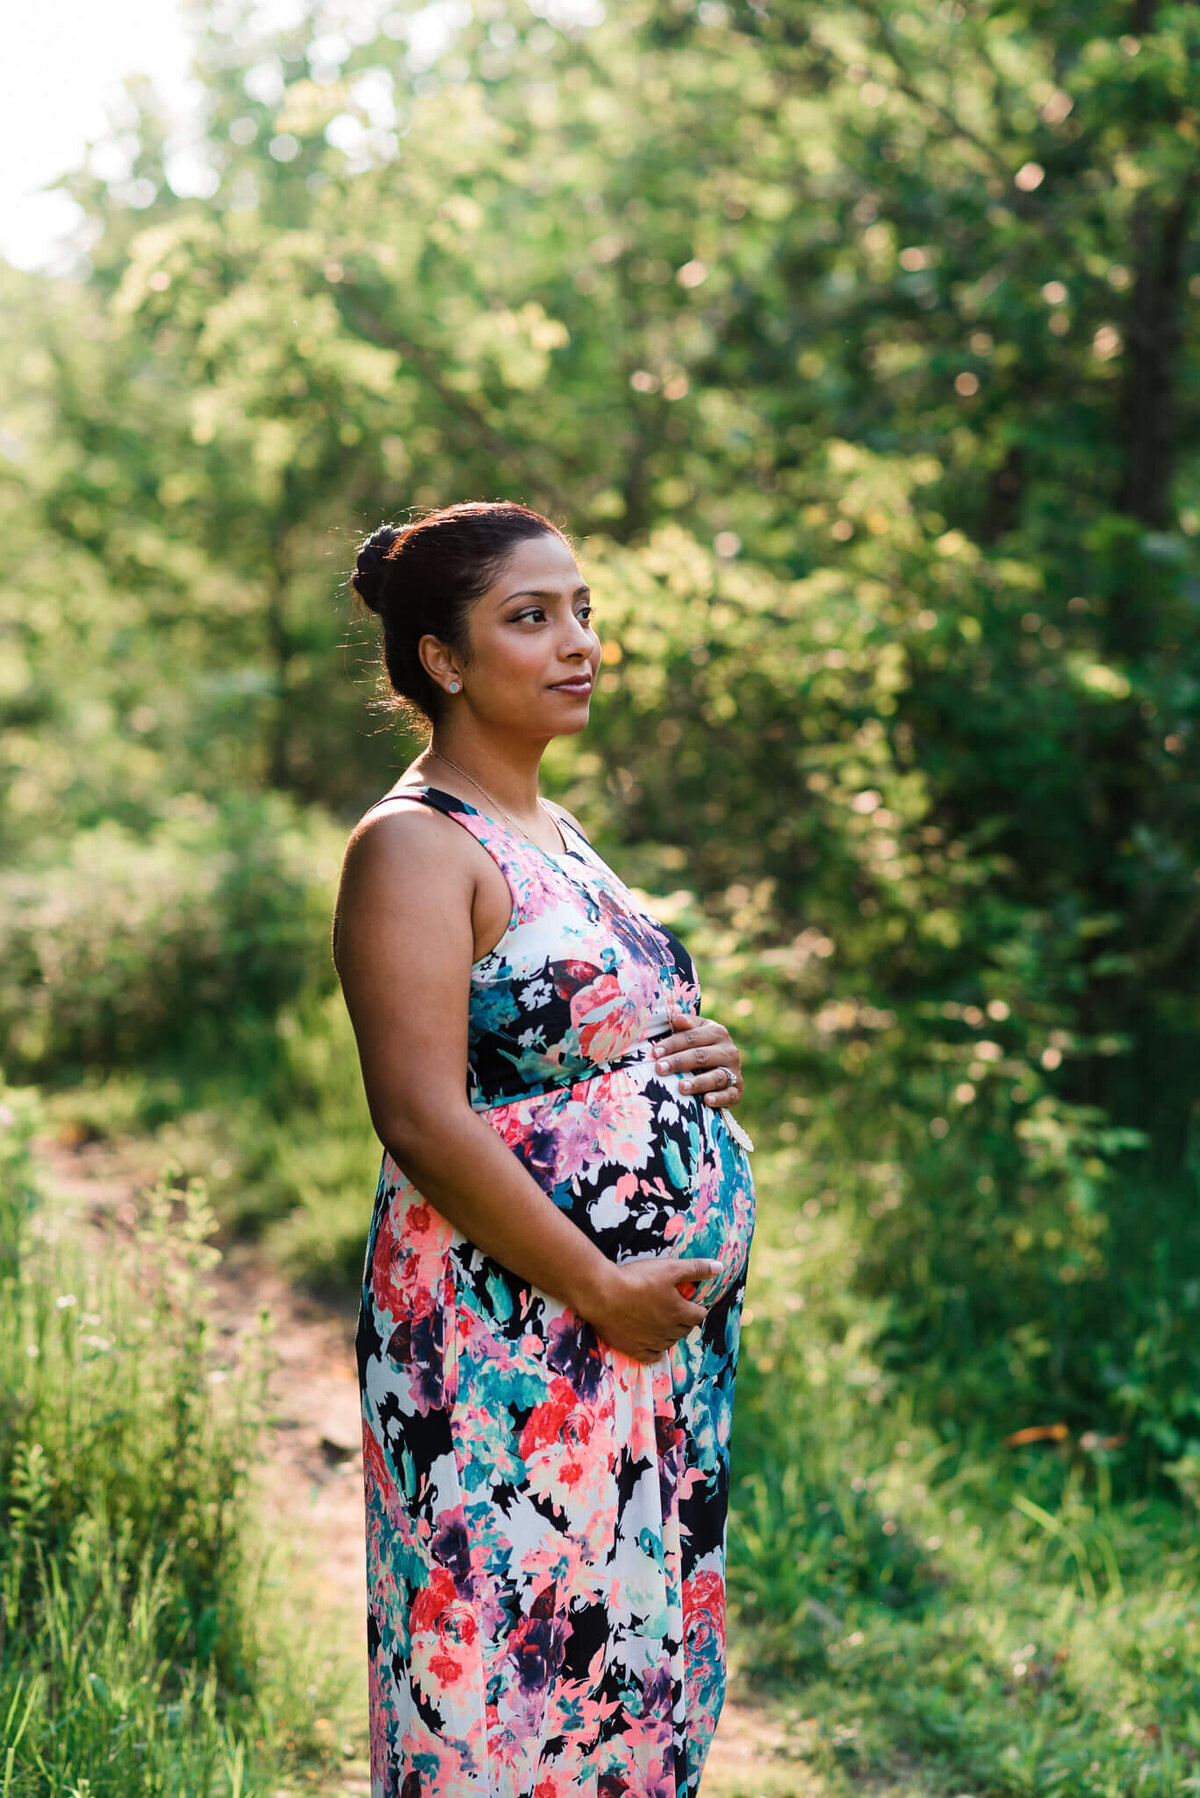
(131, 945)
(810, 1531)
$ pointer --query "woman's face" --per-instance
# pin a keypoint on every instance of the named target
(534, 655)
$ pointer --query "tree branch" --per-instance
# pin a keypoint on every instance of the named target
(908, 86)
(370, 324)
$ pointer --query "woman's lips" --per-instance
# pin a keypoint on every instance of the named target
(578, 687)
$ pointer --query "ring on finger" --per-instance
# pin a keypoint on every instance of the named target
(730, 1079)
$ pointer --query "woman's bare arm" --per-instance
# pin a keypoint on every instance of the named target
(404, 947)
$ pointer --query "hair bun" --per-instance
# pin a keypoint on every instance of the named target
(367, 579)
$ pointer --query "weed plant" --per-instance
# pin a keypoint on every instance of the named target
(136, 1628)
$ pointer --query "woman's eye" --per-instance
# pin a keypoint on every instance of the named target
(539, 612)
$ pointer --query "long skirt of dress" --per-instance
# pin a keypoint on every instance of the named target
(545, 1516)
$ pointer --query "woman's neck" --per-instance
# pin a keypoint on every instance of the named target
(506, 771)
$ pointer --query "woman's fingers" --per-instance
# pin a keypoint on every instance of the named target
(710, 1065)
(694, 1316)
(691, 1267)
(703, 1060)
(701, 1054)
(715, 1085)
(672, 1050)
(652, 1313)
(687, 1273)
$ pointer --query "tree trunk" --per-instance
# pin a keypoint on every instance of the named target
(1160, 241)
(1002, 511)
(280, 647)
(1160, 238)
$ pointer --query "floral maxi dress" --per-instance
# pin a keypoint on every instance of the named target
(546, 1516)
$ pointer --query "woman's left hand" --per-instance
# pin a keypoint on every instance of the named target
(701, 1050)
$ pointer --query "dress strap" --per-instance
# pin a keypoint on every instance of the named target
(494, 838)
(568, 824)
(417, 793)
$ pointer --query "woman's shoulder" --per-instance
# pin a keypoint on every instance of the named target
(402, 826)
(404, 864)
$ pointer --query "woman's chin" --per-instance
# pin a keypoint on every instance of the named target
(569, 720)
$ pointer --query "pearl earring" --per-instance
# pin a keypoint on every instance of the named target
(454, 686)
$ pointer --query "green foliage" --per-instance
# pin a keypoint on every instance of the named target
(922, 1593)
(130, 1652)
(130, 945)
(144, 1645)
(897, 672)
(97, 1706)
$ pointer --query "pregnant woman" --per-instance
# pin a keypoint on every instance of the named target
(554, 1269)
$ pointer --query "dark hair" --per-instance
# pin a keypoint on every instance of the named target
(424, 576)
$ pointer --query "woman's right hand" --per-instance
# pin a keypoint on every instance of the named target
(640, 1310)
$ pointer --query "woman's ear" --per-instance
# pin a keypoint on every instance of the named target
(437, 661)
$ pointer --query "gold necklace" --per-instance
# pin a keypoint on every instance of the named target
(492, 800)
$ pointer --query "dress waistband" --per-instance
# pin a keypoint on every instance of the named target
(631, 1058)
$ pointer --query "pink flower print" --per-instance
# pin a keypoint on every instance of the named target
(605, 1017)
(623, 1118)
(422, 1229)
(546, 1420)
(387, 1267)
(427, 1236)
(438, 1611)
(432, 1600)
(704, 1615)
(571, 1137)
(445, 1632)
(576, 1473)
(704, 1647)
(568, 1452)
(457, 1630)
(536, 887)
(378, 1478)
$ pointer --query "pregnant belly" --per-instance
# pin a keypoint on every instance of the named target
(642, 1168)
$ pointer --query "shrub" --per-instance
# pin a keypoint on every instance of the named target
(132, 944)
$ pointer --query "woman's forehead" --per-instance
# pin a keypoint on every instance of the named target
(543, 562)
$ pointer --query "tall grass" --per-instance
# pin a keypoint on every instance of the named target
(918, 1589)
(131, 1660)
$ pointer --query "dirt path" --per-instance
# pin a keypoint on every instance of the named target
(311, 1478)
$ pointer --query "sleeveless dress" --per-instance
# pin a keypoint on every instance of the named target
(545, 1515)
